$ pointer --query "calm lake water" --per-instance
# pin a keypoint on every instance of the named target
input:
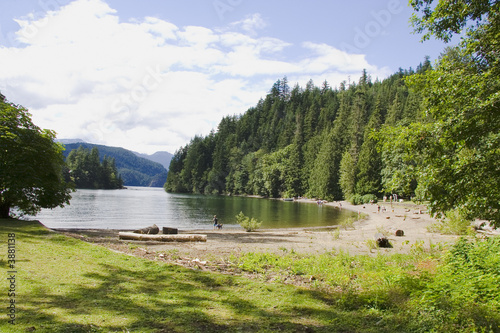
(137, 207)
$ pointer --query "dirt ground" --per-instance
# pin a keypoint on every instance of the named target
(215, 253)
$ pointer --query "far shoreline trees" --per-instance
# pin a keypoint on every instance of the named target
(312, 141)
(86, 170)
(431, 133)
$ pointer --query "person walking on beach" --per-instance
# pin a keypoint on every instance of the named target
(216, 222)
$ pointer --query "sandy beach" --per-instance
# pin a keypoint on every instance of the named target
(355, 240)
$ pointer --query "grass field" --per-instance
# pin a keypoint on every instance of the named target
(66, 285)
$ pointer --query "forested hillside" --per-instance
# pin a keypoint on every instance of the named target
(303, 141)
(86, 170)
(134, 170)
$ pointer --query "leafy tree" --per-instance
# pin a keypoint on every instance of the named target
(448, 18)
(399, 159)
(458, 143)
(31, 164)
(238, 177)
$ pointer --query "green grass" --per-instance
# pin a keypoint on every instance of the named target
(67, 285)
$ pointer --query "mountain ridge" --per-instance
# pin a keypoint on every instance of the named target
(135, 170)
(162, 157)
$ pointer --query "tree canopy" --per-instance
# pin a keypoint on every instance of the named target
(31, 164)
(431, 134)
(311, 141)
(86, 170)
(134, 170)
(454, 150)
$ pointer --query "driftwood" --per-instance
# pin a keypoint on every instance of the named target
(382, 241)
(152, 230)
(170, 231)
(162, 238)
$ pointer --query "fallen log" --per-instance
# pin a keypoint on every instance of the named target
(162, 238)
(152, 230)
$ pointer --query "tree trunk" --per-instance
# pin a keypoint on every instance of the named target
(162, 238)
(4, 210)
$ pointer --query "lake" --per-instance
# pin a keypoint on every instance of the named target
(137, 207)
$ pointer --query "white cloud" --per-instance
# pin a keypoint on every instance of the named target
(250, 24)
(147, 84)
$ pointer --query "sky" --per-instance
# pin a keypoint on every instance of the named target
(149, 75)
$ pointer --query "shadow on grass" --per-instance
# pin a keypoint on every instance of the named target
(171, 299)
(124, 294)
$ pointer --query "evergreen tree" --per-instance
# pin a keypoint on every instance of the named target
(86, 170)
(369, 162)
(292, 142)
(347, 172)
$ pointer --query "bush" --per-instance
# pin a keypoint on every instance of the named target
(347, 223)
(355, 199)
(249, 224)
(463, 296)
(452, 224)
(367, 198)
(358, 199)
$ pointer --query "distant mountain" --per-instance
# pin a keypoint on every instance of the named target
(135, 170)
(68, 141)
(161, 157)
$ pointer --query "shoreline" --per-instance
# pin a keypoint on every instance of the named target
(304, 240)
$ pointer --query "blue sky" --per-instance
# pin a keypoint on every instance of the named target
(149, 75)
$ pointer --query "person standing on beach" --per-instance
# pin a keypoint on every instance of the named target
(216, 222)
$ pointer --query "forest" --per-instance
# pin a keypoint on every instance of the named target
(134, 170)
(430, 135)
(85, 170)
(315, 141)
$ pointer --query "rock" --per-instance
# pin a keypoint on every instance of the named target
(400, 233)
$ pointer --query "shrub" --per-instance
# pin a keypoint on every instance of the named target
(347, 223)
(358, 199)
(452, 224)
(463, 295)
(249, 224)
(355, 199)
(367, 198)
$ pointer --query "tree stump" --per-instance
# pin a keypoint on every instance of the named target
(152, 230)
(382, 241)
(170, 231)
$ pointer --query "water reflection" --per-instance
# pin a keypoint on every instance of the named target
(137, 207)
